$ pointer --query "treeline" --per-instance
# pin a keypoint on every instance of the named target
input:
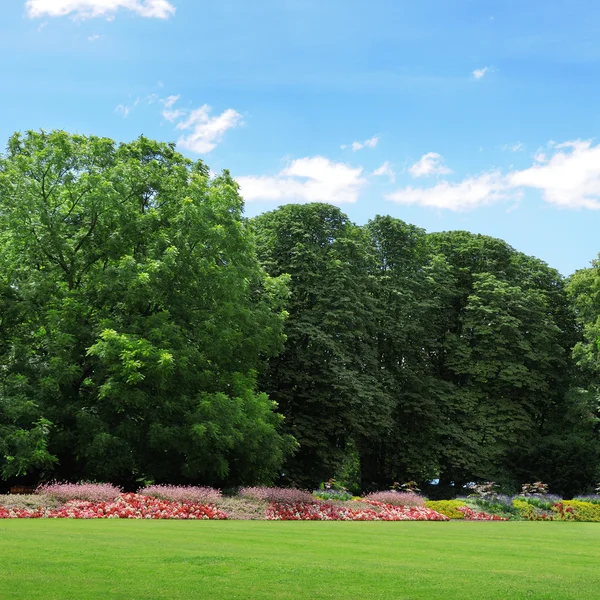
(414, 356)
(149, 332)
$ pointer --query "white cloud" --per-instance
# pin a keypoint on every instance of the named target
(124, 110)
(431, 163)
(206, 131)
(472, 192)
(480, 73)
(94, 37)
(385, 169)
(370, 143)
(570, 178)
(87, 9)
(310, 179)
(518, 147)
(168, 112)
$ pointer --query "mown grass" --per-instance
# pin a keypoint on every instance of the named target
(137, 560)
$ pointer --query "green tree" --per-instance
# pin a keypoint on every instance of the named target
(504, 345)
(326, 381)
(135, 317)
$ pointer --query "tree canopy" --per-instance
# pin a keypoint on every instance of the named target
(150, 332)
(135, 317)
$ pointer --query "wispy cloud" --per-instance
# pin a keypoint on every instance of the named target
(204, 130)
(480, 73)
(168, 112)
(431, 163)
(385, 169)
(518, 147)
(87, 9)
(94, 37)
(355, 146)
(310, 179)
(124, 109)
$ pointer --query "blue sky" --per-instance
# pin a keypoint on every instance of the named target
(476, 115)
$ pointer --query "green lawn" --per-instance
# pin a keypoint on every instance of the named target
(135, 560)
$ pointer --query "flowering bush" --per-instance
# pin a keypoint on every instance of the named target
(270, 494)
(323, 511)
(536, 488)
(182, 493)
(126, 506)
(396, 498)
(93, 492)
(484, 490)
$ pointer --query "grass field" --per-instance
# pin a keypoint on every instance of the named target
(138, 560)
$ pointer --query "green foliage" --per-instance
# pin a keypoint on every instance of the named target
(326, 380)
(134, 319)
(447, 507)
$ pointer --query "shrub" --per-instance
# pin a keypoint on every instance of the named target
(449, 508)
(396, 498)
(92, 492)
(182, 493)
(271, 494)
(583, 511)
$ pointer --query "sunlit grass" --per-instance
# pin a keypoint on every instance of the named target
(135, 560)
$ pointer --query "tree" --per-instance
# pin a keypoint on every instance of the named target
(326, 381)
(135, 318)
(503, 349)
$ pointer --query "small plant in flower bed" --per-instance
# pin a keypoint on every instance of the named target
(271, 494)
(474, 515)
(93, 492)
(447, 507)
(577, 510)
(591, 498)
(126, 506)
(322, 511)
(339, 495)
(182, 493)
(529, 512)
(396, 498)
(543, 502)
(499, 504)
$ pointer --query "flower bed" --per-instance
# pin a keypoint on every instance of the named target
(371, 511)
(126, 506)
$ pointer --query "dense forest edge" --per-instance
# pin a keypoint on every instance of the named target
(151, 333)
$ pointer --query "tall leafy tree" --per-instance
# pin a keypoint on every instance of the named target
(407, 300)
(135, 317)
(504, 350)
(326, 381)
